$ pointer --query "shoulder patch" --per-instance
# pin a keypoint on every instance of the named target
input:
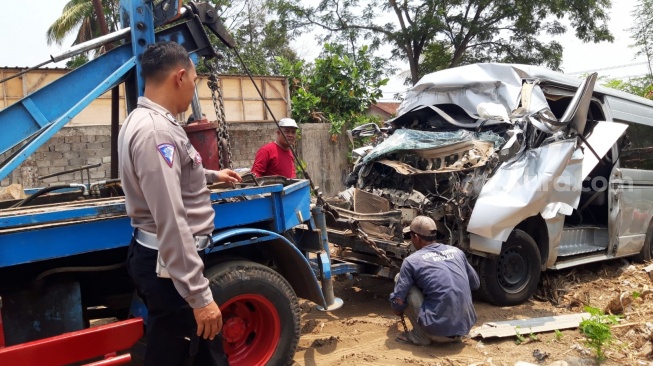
(168, 153)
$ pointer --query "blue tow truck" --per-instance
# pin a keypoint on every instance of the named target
(63, 248)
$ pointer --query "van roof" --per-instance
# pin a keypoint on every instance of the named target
(507, 79)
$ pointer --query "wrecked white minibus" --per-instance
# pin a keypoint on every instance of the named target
(524, 168)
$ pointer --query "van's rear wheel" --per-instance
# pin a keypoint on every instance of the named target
(260, 313)
(512, 277)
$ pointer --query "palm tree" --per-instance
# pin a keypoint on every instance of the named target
(80, 16)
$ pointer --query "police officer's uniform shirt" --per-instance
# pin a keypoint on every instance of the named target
(446, 279)
(166, 193)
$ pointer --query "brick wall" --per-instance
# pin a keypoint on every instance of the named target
(70, 148)
(74, 147)
(246, 139)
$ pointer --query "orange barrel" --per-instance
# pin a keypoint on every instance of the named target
(203, 135)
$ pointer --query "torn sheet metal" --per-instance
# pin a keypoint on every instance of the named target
(468, 155)
(566, 188)
(368, 203)
(526, 326)
(524, 187)
(484, 245)
(603, 136)
(424, 141)
(471, 85)
(403, 168)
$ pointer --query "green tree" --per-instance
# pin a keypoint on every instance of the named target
(338, 88)
(642, 86)
(261, 35)
(76, 61)
(78, 17)
(642, 31)
(468, 31)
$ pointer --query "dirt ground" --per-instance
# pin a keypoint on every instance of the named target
(362, 332)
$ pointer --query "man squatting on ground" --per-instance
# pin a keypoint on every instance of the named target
(169, 205)
(434, 288)
(276, 158)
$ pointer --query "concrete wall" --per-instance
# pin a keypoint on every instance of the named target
(74, 147)
(326, 160)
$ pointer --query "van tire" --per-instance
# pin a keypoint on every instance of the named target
(512, 277)
(647, 250)
(262, 309)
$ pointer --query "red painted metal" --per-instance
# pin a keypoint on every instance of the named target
(234, 329)
(203, 135)
(75, 346)
(113, 360)
(255, 344)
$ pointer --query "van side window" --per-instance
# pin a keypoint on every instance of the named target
(639, 153)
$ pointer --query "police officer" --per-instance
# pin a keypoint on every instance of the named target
(169, 205)
(434, 289)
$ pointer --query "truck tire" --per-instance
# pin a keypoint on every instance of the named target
(260, 313)
(646, 254)
(512, 277)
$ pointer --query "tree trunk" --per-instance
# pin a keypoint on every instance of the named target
(102, 21)
(414, 70)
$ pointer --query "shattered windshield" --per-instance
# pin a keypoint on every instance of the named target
(404, 139)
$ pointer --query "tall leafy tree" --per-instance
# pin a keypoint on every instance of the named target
(423, 32)
(260, 34)
(642, 32)
(79, 17)
(338, 88)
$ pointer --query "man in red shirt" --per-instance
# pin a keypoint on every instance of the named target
(276, 158)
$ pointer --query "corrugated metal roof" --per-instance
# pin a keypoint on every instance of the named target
(21, 68)
(27, 67)
(388, 107)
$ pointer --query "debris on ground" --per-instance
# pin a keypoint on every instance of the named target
(528, 326)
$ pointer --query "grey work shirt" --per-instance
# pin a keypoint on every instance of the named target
(446, 279)
(166, 193)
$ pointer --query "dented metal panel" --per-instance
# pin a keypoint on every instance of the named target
(522, 188)
(603, 137)
(484, 148)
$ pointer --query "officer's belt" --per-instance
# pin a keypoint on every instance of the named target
(148, 240)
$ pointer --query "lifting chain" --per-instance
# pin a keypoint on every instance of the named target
(356, 229)
(403, 322)
(218, 104)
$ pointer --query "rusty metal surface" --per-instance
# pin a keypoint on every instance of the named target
(365, 202)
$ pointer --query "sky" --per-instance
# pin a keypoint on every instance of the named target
(23, 43)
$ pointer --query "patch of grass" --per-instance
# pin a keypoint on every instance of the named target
(636, 294)
(597, 330)
(558, 335)
(520, 338)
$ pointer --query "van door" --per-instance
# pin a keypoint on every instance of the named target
(632, 190)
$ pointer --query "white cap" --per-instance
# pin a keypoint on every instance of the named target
(288, 122)
(422, 225)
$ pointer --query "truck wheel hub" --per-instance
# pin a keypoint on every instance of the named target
(234, 329)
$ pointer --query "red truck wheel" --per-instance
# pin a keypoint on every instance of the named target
(260, 313)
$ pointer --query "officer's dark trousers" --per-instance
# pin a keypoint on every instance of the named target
(171, 327)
